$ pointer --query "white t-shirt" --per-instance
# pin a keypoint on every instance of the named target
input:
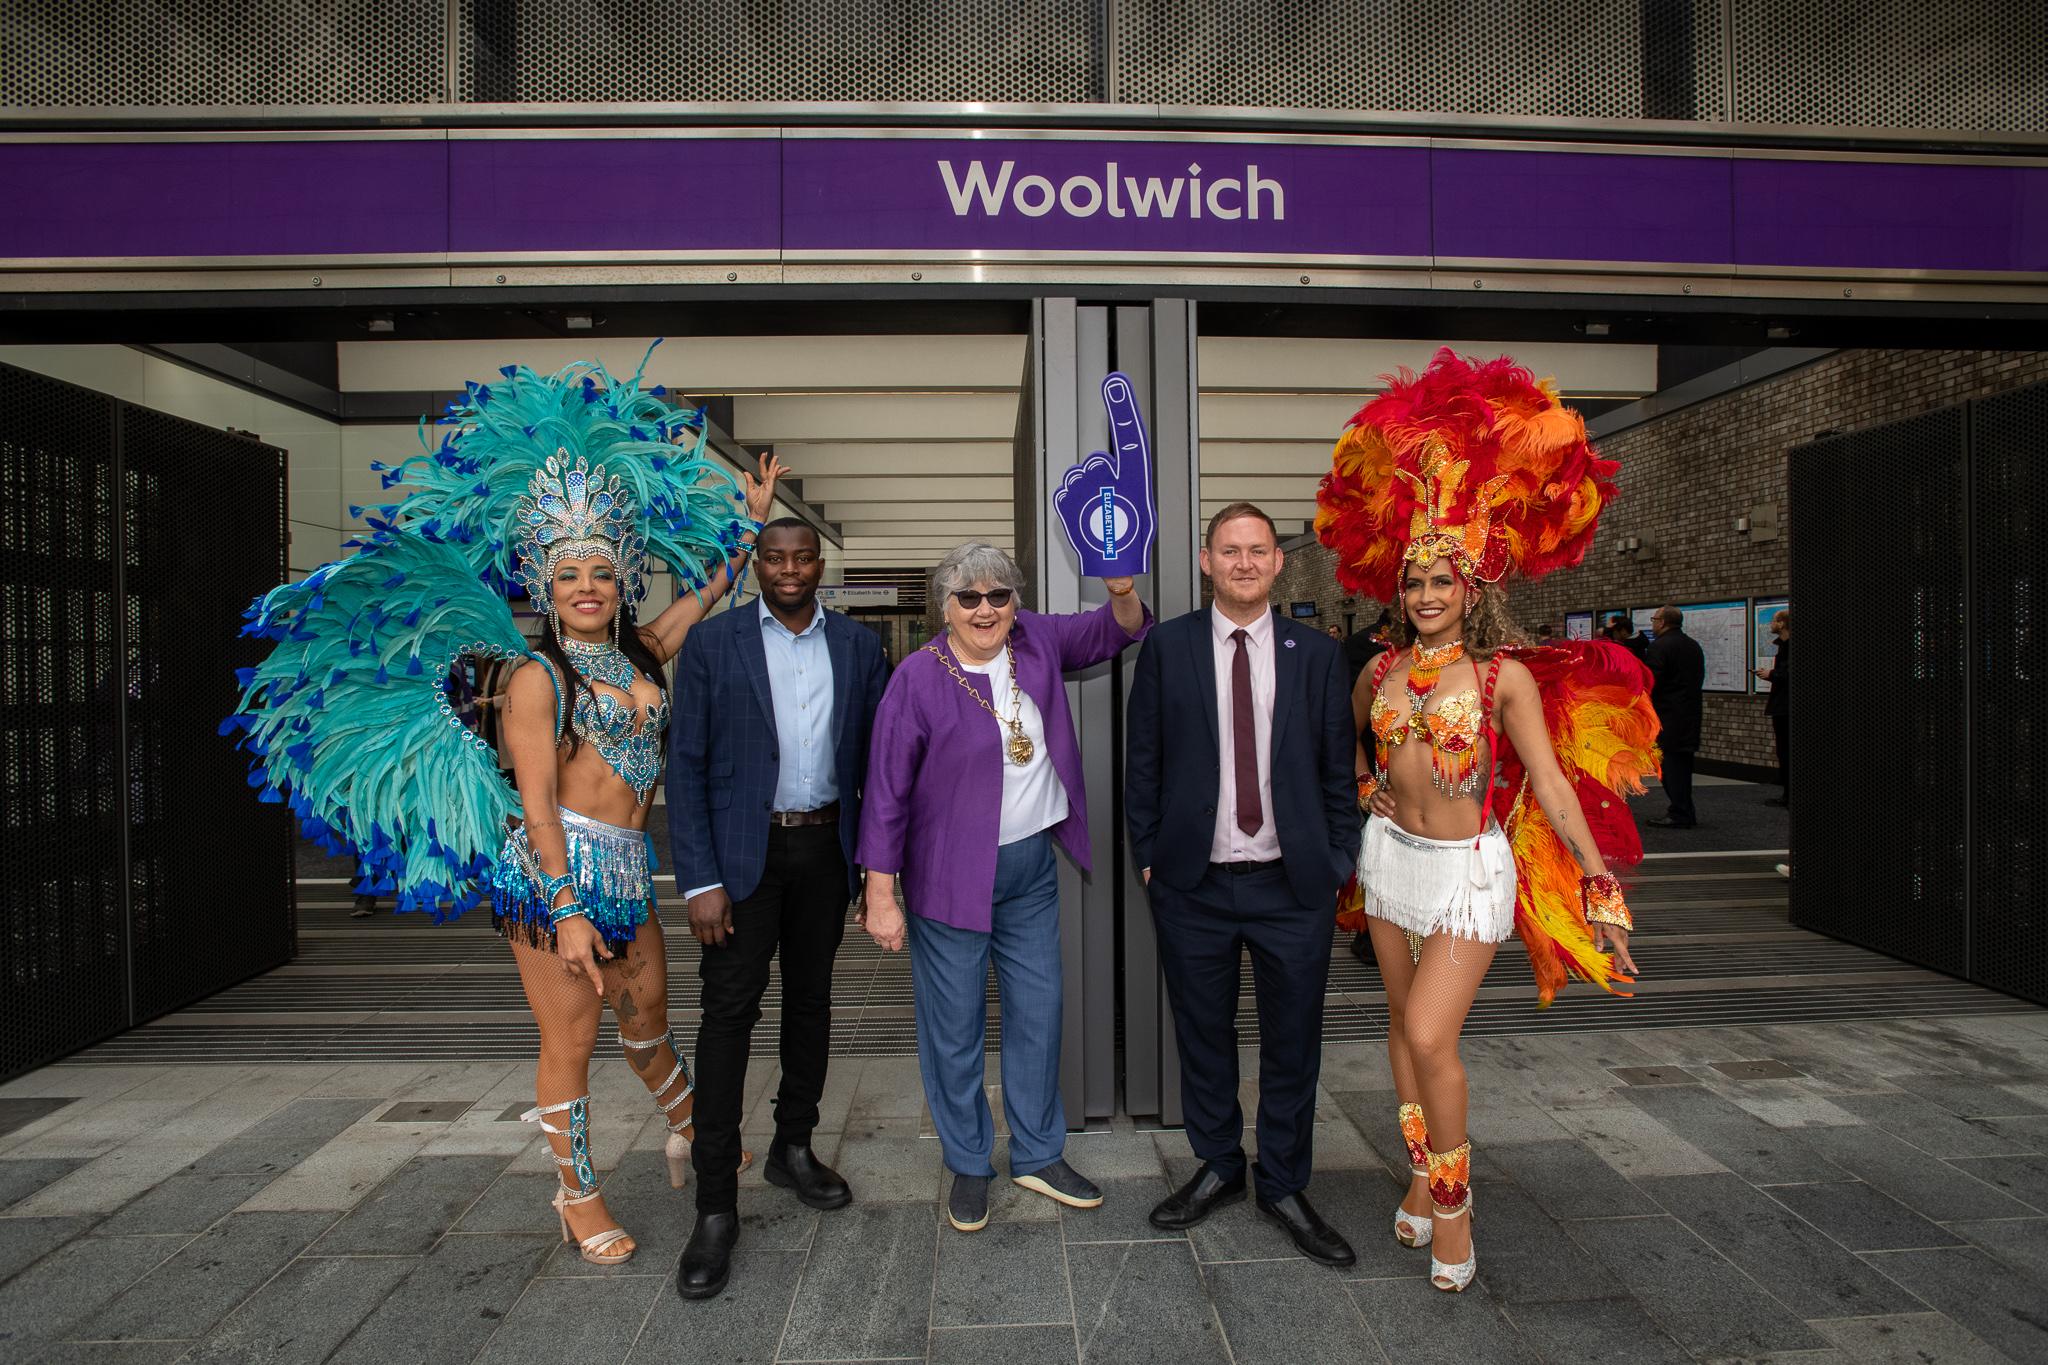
(1034, 798)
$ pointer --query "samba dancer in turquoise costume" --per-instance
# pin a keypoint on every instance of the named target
(561, 485)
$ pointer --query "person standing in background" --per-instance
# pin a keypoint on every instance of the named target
(1778, 705)
(1622, 631)
(1678, 669)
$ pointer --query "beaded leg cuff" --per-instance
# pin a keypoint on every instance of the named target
(1450, 1179)
(681, 1071)
(577, 1163)
(1416, 1133)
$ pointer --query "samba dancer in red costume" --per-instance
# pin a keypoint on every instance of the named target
(1501, 764)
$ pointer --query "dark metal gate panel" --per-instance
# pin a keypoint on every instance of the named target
(2009, 523)
(205, 519)
(62, 914)
(1878, 545)
(140, 872)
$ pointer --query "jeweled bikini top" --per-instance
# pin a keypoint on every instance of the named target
(626, 736)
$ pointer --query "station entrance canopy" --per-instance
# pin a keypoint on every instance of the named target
(488, 208)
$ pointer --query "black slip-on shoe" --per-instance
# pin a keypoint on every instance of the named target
(1197, 1199)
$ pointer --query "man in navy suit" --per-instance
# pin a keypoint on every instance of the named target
(1244, 817)
(768, 751)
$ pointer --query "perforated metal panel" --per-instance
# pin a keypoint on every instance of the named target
(1881, 713)
(549, 51)
(1557, 58)
(61, 972)
(210, 866)
(2009, 518)
(1971, 64)
(99, 53)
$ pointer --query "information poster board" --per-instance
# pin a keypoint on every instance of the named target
(1644, 619)
(1722, 628)
(1578, 625)
(1766, 644)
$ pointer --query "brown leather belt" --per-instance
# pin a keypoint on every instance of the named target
(826, 814)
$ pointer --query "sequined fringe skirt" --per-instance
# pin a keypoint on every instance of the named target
(1461, 887)
(614, 871)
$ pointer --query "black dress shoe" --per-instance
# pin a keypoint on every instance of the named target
(1672, 824)
(707, 1260)
(795, 1167)
(1316, 1239)
(1197, 1199)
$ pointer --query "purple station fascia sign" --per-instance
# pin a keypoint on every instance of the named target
(820, 196)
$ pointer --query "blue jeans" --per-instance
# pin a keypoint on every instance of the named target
(949, 974)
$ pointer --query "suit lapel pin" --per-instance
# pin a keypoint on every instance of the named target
(1288, 643)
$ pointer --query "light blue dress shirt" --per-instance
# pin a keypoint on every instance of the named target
(800, 682)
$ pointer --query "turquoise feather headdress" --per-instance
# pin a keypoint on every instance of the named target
(467, 490)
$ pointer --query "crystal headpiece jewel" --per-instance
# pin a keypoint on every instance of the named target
(570, 511)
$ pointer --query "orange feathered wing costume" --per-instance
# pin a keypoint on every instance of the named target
(1479, 463)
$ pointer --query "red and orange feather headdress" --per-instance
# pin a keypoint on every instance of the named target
(1472, 461)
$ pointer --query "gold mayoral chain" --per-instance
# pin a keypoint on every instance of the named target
(1019, 743)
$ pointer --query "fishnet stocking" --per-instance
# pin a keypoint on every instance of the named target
(1426, 1004)
(636, 987)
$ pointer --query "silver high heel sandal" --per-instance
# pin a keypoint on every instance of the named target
(1450, 1173)
(1414, 1229)
(586, 1189)
(677, 1149)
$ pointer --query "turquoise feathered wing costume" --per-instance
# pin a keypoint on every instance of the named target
(349, 717)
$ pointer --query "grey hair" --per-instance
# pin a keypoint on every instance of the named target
(975, 561)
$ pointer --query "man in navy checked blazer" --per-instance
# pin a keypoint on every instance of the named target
(768, 751)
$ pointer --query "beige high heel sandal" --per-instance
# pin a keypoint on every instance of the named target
(586, 1188)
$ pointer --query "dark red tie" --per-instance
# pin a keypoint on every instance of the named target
(1244, 739)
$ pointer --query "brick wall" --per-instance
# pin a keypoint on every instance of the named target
(1687, 476)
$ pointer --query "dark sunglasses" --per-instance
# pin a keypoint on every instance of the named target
(998, 599)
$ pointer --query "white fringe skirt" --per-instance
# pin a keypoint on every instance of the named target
(1461, 887)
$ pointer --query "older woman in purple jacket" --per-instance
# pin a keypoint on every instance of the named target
(973, 776)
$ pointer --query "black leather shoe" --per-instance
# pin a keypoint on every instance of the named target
(707, 1260)
(1197, 1199)
(1316, 1239)
(795, 1167)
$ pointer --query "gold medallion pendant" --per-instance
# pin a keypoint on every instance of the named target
(1021, 747)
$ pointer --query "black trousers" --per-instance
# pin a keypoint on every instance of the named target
(1678, 786)
(1202, 938)
(800, 908)
(1783, 734)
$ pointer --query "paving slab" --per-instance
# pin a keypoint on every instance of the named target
(891, 1170)
(1800, 1267)
(2023, 1177)
(1569, 1180)
(211, 1276)
(1003, 1346)
(1707, 1305)
(2027, 1132)
(1992, 1301)
(1929, 1126)
(742, 1324)
(449, 1305)
(638, 1195)
(1525, 1256)
(588, 1322)
(866, 1290)
(1908, 1339)
(1733, 1136)
(516, 1202)
(303, 1314)
(1634, 1142)
(1007, 1274)
(106, 1182)
(1143, 1303)
(183, 1203)
(1861, 1217)
(413, 1209)
(24, 1241)
(1600, 1332)
(1416, 1322)
(1286, 1312)
(1127, 1202)
(2022, 1243)
(1969, 1096)
(1926, 1184)
(21, 1177)
(110, 1353)
(286, 1138)
(60, 1291)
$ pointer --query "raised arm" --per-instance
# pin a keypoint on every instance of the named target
(664, 634)
(1521, 719)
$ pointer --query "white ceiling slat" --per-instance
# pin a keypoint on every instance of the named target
(869, 416)
(965, 530)
(1343, 365)
(907, 491)
(810, 458)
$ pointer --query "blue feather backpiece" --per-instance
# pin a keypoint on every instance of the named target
(350, 722)
(463, 491)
